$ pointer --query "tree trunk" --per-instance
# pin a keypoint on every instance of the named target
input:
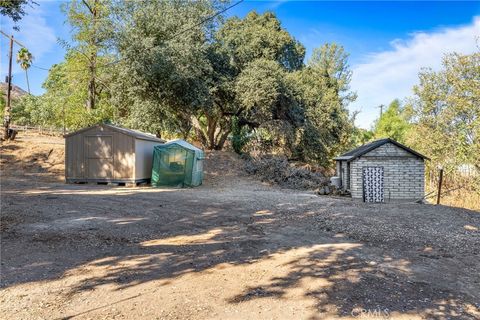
(93, 60)
(91, 89)
(185, 132)
(214, 136)
(222, 140)
(28, 82)
(91, 83)
(199, 132)
(211, 128)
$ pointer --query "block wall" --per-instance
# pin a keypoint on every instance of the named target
(404, 173)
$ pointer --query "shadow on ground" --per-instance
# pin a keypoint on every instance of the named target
(133, 237)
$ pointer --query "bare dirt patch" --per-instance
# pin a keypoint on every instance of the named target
(233, 248)
(33, 156)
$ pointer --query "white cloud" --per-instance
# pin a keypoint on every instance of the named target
(275, 4)
(384, 76)
(34, 33)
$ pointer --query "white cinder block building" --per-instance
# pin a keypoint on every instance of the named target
(382, 170)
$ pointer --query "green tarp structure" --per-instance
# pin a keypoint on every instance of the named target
(177, 164)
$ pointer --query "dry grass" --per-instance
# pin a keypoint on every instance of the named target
(458, 190)
(463, 198)
(34, 156)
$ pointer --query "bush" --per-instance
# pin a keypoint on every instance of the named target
(240, 136)
(275, 137)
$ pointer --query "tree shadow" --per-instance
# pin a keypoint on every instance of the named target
(9, 147)
(151, 238)
(345, 285)
(37, 165)
(7, 158)
(137, 236)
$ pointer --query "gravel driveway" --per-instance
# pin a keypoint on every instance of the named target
(231, 249)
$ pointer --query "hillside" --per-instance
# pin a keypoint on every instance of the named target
(17, 92)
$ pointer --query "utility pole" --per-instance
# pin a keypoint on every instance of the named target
(8, 106)
(7, 115)
(381, 109)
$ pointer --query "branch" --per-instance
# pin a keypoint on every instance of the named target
(88, 6)
(198, 129)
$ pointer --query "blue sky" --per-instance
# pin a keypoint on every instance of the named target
(388, 42)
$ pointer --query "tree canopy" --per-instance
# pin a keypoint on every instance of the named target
(176, 68)
(15, 9)
(393, 123)
(446, 109)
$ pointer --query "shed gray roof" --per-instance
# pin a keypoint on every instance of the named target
(130, 132)
(360, 151)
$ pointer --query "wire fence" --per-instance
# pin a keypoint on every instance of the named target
(460, 186)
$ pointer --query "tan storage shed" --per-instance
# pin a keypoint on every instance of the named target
(107, 153)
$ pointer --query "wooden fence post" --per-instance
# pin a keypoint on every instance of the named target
(440, 185)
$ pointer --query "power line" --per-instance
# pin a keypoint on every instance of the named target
(14, 40)
(41, 68)
(170, 39)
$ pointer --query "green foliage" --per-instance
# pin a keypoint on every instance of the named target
(92, 26)
(259, 36)
(29, 111)
(277, 137)
(66, 94)
(262, 92)
(255, 54)
(62, 104)
(162, 78)
(152, 66)
(322, 89)
(360, 137)
(92, 31)
(331, 62)
(303, 113)
(446, 122)
(66, 100)
(393, 123)
(14, 9)
(252, 57)
(240, 136)
(206, 81)
(24, 58)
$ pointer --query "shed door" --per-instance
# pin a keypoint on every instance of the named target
(373, 184)
(99, 157)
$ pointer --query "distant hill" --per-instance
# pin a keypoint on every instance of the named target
(17, 92)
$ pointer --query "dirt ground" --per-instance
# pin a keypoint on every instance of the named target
(233, 248)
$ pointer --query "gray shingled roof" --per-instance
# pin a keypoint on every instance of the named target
(357, 152)
(130, 132)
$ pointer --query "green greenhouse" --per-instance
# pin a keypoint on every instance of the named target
(177, 164)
